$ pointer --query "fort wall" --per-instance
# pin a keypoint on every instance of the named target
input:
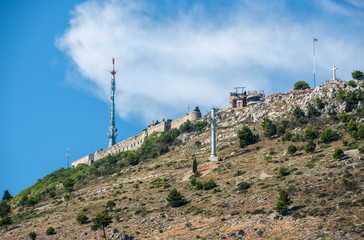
(88, 159)
(189, 116)
(135, 142)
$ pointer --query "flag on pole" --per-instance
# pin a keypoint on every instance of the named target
(315, 39)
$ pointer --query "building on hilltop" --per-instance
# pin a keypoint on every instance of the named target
(240, 99)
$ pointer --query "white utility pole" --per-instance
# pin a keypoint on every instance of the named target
(213, 156)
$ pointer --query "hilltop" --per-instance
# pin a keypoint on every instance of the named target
(325, 186)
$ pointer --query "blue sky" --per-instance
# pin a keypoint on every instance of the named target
(55, 57)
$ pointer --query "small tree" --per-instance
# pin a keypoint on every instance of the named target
(175, 198)
(101, 221)
(246, 137)
(310, 147)
(310, 132)
(194, 165)
(328, 135)
(301, 85)
(209, 184)
(358, 75)
(292, 149)
(298, 113)
(197, 109)
(50, 231)
(268, 127)
(110, 205)
(32, 201)
(312, 111)
(32, 235)
(283, 202)
(52, 194)
(6, 221)
(280, 129)
(69, 184)
(5, 209)
(282, 171)
(7, 195)
(338, 153)
(81, 218)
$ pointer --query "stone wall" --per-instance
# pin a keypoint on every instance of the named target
(160, 127)
(135, 142)
(189, 116)
(129, 144)
(88, 159)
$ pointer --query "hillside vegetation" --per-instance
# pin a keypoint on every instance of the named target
(291, 168)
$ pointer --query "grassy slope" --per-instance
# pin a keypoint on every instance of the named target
(321, 206)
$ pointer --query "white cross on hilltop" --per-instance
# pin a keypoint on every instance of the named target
(333, 73)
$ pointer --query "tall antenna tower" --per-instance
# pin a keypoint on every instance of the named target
(68, 157)
(112, 129)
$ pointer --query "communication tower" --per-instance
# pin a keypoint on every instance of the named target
(68, 157)
(112, 129)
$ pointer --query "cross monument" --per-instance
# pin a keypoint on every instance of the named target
(333, 73)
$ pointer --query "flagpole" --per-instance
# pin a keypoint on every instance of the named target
(314, 64)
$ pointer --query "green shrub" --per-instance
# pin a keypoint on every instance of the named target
(358, 75)
(282, 171)
(110, 205)
(287, 135)
(175, 199)
(298, 113)
(328, 135)
(311, 132)
(209, 184)
(243, 186)
(283, 202)
(312, 111)
(81, 218)
(50, 231)
(32, 235)
(340, 94)
(292, 149)
(351, 100)
(268, 127)
(198, 185)
(301, 85)
(246, 137)
(193, 180)
(338, 153)
(280, 129)
(352, 83)
(319, 103)
(310, 147)
(361, 130)
(194, 166)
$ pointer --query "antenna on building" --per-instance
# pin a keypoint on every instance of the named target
(112, 129)
(68, 157)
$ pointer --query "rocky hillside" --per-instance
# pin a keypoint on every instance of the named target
(322, 175)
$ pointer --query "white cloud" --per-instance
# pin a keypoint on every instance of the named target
(192, 59)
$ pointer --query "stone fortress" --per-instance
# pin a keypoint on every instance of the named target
(133, 143)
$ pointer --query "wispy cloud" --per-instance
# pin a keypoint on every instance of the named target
(194, 57)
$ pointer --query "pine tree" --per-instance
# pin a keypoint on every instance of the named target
(283, 202)
(176, 199)
(32, 235)
(5, 209)
(7, 195)
(101, 220)
(194, 166)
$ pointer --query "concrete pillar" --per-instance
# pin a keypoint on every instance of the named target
(213, 156)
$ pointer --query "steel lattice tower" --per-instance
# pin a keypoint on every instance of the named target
(112, 129)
